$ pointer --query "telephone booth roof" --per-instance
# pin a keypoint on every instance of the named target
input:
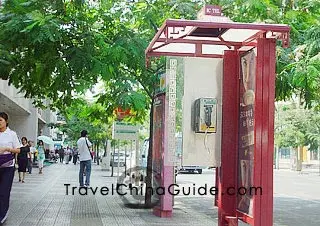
(196, 38)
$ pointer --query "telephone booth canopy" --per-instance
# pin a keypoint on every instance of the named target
(195, 38)
(247, 136)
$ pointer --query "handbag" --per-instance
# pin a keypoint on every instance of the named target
(6, 158)
(89, 149)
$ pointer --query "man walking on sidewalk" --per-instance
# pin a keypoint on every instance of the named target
(85, 158)
(61, 154)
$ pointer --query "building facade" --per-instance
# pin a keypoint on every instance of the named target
(24, 118)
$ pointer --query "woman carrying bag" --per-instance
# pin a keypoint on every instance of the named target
(9, 145)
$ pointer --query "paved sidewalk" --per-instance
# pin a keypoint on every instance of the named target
(42, 200)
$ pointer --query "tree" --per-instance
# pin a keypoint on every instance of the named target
(91, 117)
(296, 127)
(51, 50)
(61, 48)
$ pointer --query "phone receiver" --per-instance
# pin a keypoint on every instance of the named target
(207, 115)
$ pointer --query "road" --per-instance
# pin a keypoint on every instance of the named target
(296, 196)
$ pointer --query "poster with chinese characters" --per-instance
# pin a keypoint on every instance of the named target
(246, 132)
(157, 148)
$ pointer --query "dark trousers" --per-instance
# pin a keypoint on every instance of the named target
(6, 178)
(29, 166)
(75, 158)
(85, 165)
(61, 157)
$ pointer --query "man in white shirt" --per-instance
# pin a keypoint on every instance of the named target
(84, 146)
(66, 155)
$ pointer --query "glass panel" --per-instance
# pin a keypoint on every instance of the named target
(177, 48)
(214, 49)
(238, 35)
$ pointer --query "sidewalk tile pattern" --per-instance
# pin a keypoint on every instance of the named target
(42, 201)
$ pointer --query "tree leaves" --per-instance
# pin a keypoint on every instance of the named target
(296, 126)
(53, 49)
(58, 49)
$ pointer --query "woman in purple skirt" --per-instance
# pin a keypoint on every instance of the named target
(9, 145)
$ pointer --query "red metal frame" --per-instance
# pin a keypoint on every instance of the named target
(264, 175)
(196, 41)
(227, 176)
(234, 25)
(182, 24)
(164, 173)
(158, 54)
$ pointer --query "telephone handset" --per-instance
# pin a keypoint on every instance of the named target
(207, 115)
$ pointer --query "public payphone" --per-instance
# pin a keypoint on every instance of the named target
(205, 115)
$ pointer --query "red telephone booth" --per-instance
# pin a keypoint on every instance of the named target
(248, 51)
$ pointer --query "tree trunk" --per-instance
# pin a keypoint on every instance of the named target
(299, 158)
(97, 156)
(114, 150)
(277, 157)
(149, 160)
(125, 160)
(319, 158)
(293, 158)
(105, 146)
(299, 151)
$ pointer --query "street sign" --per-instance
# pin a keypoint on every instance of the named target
(124, 131)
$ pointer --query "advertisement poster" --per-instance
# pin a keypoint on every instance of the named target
(158, 129)
(246, 132)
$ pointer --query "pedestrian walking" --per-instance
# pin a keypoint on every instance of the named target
(9, 145)
(22, 158)
(61, 154)
(47, 153)
(75, 156)
(35, 156)
(41, 155)
(70, 154)
(66, 155)
(30, 160)
(84, 146)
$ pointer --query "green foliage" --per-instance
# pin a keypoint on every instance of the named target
(58, 49)
(296, 126)
(91, 117)
(53, 49)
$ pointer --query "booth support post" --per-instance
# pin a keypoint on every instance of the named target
(164, 171)
(227, 173)
(264, 113)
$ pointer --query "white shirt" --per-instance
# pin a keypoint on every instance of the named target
(32, 151)
(84, 152)
(9, 139)
(67, 151)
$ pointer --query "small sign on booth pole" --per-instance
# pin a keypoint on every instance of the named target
(124, 131)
